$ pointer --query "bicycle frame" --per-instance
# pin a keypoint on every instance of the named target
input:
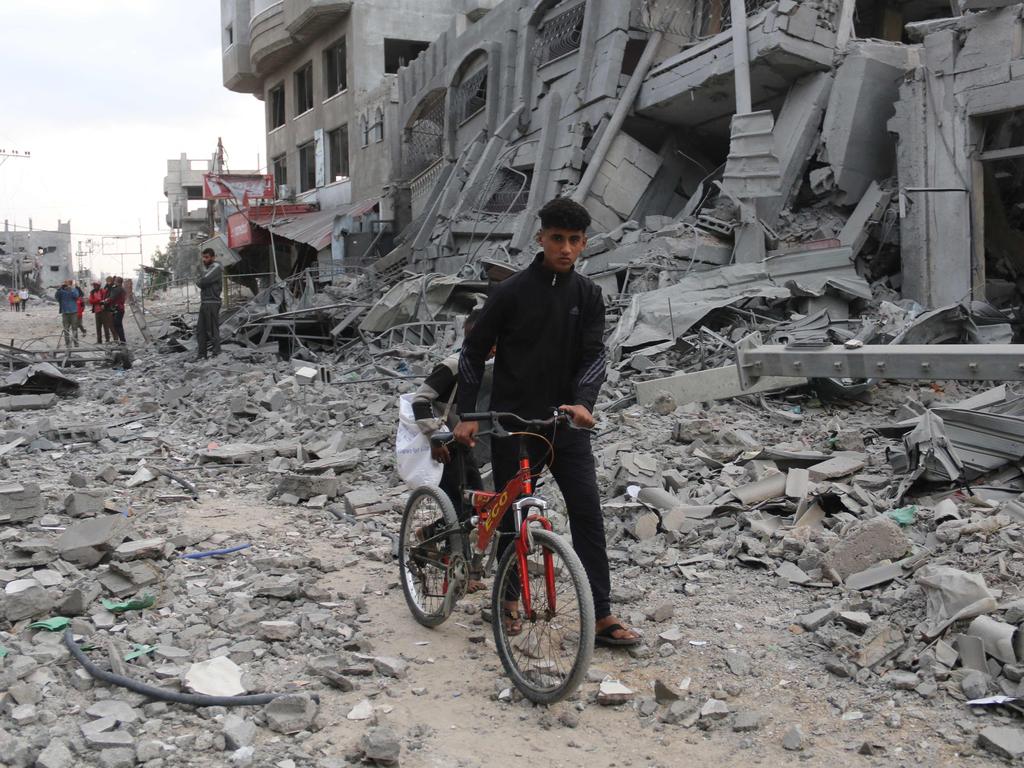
(490, 507)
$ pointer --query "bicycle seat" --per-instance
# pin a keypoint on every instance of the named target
(441, 437)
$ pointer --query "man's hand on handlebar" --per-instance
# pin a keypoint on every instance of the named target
(439, 453)
(465, 432)
(581, 417)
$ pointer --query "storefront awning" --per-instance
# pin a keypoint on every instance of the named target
(311, 227)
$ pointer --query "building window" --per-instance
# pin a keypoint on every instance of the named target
(229, 36)
(377, 129)
(275, 106)
(471, 96)
(364, 128)
(337, 151)
(560, 35)
(398, 53)
(55, 269)
(307, 166)
(304, 89)
(335, 68)
(279, 167)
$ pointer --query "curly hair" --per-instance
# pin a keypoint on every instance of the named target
(563, 213)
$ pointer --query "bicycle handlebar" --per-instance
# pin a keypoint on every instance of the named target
(495, 418)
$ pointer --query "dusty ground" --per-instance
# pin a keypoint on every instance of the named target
(446, 710)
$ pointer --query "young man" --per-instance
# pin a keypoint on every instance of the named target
(104, 326)
(67, 304)
(114, 303)
(208, 325)
(548, 324)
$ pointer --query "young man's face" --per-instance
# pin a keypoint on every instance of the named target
(561, 247)
(207, 259)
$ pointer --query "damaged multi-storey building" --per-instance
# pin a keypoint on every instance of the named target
(825, 151)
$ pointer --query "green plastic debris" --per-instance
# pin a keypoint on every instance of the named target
(903, 515)
(3, 651)
(55, 624)
(135, 604)
(140, 650)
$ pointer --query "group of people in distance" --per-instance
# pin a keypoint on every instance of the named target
(17, 299)
(106, 302)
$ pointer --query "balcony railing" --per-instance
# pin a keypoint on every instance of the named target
(698, 20)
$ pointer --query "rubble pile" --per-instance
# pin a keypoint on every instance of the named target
(887, 575)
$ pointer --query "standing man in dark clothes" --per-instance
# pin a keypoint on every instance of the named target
(208, 325)
(104, 327)
(115, 303)
(67, 304)
(548, 324)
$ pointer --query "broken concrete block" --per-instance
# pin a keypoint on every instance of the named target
(612, 692)
(25, 599)
(291, 713)
(142, 476)
(85, 502)
(140, 550)
(273, 399)
(865, 543)
(817, 619)
(87, 542)
(1003, 740)
(20, 501)
(874, 576)
(307, 486)
(838, 466)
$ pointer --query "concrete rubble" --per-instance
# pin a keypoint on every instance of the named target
(870, 529)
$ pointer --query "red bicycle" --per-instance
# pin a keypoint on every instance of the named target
(546, 640)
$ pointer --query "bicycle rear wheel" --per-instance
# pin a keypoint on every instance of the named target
(431, 556)
(548, 659)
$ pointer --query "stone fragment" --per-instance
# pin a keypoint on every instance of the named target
(747, 721)
(238, 732)
(793, 740)
(87, 542)
(1003, 740)
(219, 676)
(278, 630)
(664, 693)
(792, 573)
(25, 599)
(121, 711)
(85, 502)
(714, 709)
(873, 576)
(361, 711)
(390, 666)
(866, 543)
(20, 501)
(612, 692)
(975, 684)
(290, 713)
(120, 757)
(55, 755)
(900, 680)
(842, 465)
(380, 746)
(139, 550)
(816, 619)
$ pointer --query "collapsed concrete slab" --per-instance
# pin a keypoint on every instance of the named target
(87, 542)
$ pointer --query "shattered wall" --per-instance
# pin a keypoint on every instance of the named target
(970, 69)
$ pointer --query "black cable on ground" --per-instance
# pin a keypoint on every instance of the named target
(162, 694)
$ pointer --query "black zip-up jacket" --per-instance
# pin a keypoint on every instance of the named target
(549, 332)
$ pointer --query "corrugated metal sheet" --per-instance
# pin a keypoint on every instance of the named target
(314, 228)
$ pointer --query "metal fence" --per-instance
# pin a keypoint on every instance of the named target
(560, 35)
(470, 96)
(694, 20)
(424, 139)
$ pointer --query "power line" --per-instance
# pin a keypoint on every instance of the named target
(24, 228)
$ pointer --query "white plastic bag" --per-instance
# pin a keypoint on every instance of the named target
(412, 449)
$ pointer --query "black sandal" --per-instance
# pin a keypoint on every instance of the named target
(607, 637)
(512, 620)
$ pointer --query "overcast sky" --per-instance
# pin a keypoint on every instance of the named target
(102, 93)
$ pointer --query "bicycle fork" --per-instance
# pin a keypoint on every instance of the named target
(524, 543)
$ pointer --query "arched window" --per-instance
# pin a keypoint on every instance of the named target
(424, 135)
(470, 93)
(364, 129)
(377, 129)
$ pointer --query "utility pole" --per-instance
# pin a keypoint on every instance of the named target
(5, 155)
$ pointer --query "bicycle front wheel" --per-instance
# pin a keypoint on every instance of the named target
(431, 556)
(549, 655)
